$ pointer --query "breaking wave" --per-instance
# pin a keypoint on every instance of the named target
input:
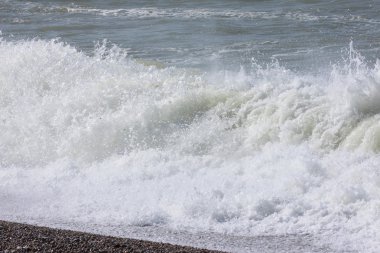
(107, 139)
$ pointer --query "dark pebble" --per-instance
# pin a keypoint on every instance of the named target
(20, 238)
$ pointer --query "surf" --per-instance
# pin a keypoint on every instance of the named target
(103, 138)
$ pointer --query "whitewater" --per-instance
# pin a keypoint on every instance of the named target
(106, 139)
(244, 126)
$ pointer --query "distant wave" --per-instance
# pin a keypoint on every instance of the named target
(184, 13)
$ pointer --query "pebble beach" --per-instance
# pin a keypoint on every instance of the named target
(16, 237)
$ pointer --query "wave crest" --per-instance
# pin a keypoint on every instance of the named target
(61, 102)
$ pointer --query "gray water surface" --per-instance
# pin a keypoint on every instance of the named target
(303, 35)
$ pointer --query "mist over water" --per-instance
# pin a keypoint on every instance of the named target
(244, 143)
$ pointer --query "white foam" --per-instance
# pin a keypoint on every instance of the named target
(106, 140)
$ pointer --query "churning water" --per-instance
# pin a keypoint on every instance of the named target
(245, 118)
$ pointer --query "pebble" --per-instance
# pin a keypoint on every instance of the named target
(20, 238)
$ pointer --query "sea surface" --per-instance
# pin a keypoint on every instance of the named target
(241, 118)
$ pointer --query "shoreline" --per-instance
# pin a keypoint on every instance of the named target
(19, 237)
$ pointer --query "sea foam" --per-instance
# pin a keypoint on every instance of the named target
(104, 139)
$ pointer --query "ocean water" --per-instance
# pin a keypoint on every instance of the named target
(241, 118)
